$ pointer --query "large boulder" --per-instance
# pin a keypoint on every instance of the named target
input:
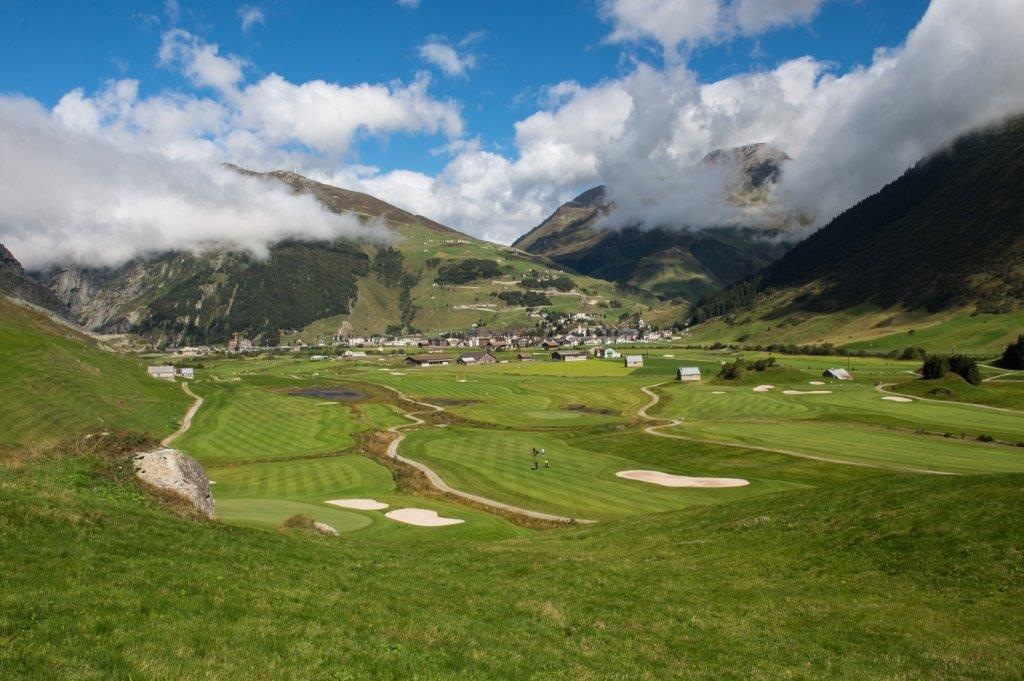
(176, 472)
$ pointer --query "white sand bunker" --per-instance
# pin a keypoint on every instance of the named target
(397, 373)
(763, 388)
(421, 517)
(358, 504)
(897, 398)
(718, 392)
(806, 392)
(817, 382)
(669, 480)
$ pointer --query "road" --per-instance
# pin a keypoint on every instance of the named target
(186, 422)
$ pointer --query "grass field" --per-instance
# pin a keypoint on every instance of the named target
(814, 570)
(56, 384)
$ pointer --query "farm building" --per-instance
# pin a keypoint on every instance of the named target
(162, 371)
(838, 374)
(428, 360)
(185, 372)
(477, 358)
(549, 344)
(568, 356)
(688, 374)
(607, 353)
(634, 360)
(525, 357)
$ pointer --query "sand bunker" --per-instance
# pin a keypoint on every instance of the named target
(817, 382)
(397, 373)
(421, 517)
(806, 392)
(669, 480)
(763, 388)
(358, 504)
(897, 398)
(718, 392)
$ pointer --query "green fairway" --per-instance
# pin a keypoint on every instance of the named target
(263, 494)
(580, 482)
(240, 421)
(55, 384)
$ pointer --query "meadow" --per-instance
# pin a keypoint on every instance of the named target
(821, 567)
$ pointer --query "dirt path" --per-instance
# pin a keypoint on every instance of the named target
(186, 422)
(436, 479)
(668, 423)
(882, 389)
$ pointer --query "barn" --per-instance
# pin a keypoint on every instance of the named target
(688, 374)
(477, 358)
(568, 356)
(634, 360)
(838, 374)
(428, 360)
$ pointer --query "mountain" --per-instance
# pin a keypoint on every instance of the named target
(15, 282)
(947, 236)
(314, 289)
(671, 262)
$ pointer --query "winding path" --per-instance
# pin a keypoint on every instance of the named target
(186, 422)
(668, 423)
(439, 482)
(882, 389)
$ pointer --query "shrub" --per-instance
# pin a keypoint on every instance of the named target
(762, 364)
(935, 366)
(913, 352)
(734, 370)
(1013, 355)
(966, 367)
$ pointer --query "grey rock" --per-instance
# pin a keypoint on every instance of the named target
(176, 472)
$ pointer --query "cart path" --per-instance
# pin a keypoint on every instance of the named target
(186, 422)
(438, 482)
(669, 423)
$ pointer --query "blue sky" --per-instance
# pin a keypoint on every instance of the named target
(484, 116)
(49, 48)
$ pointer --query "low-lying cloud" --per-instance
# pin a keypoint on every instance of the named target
(67, 196)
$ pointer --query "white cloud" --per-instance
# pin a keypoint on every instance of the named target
(688, 22)
(438, 52)
(249, 16)
(66, 195)
(200, 61)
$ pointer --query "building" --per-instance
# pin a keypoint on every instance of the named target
(318, 358)
(568, 356)
(353, 354)
(634, 360)
(188, 373)
(428, 360)
(239, 343)
(549, 344)
(525, 357)
(477, 358)
(607, 353)
(165, 372)
(838, 374)
(688, 374)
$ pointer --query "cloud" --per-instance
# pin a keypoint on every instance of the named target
(409, 4)
(66, 195)
(438, 52)
(689, 22)
(249, 16)
(201, 62)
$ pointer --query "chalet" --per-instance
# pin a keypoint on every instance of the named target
(838, 374)
(165, 372)
(525, 357)
(634, 361)
(568, 356)
(477, 358)
(428, 360)
(688, 374)
(549, 344)
(607, 353)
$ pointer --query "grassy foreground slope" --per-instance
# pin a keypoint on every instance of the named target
(883, 577)
(56, 382)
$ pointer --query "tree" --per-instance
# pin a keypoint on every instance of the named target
(965, 367)
(935, 366)
(734, 370)
(1013, 356)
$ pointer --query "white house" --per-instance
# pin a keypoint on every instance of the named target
(634, 360)
(165, 372)
(688, 374)
(187, 373)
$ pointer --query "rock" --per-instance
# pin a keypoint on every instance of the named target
(176, 472)
(324, 528)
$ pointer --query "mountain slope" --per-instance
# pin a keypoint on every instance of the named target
(670, 262)
(15, 282)
(947, 235)
(321, 288)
